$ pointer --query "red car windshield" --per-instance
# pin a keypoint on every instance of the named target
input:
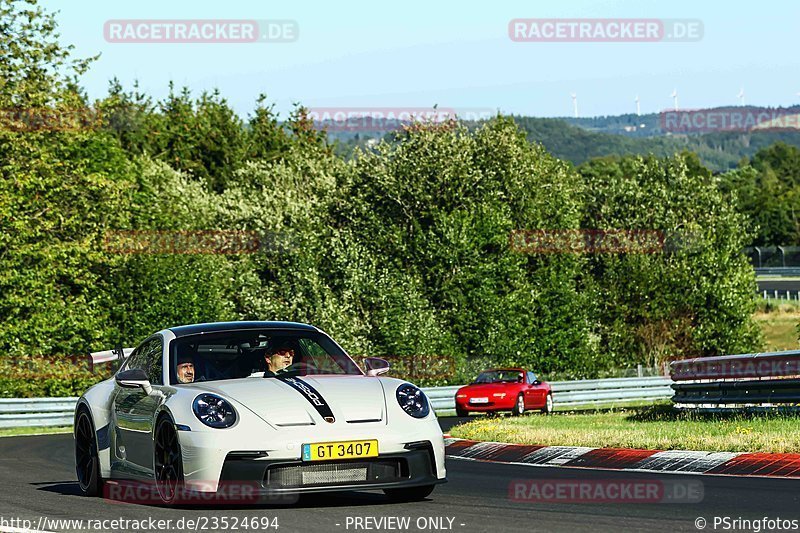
(501, 376)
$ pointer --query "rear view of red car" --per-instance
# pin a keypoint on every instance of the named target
(504, 389)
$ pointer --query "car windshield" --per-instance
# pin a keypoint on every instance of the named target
(500, 376)
(256, 353)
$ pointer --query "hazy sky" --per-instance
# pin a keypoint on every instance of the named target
(453, 53)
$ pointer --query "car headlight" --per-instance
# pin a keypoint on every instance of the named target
(413, 400)
(214, 411)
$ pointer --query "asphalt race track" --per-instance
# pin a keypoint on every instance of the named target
(39, 480)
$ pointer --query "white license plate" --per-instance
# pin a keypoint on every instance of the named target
(479, 400)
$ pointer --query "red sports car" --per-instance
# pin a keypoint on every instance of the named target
(504, 389)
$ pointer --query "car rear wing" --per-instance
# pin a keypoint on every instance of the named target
(107, 356)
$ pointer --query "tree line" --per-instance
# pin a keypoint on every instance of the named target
(401, 249)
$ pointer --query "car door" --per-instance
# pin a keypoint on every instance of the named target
(134, 412)
(536, 391)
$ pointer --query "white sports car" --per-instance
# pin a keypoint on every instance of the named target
(278, 405)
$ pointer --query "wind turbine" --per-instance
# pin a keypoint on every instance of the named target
(638, 110)
(674, 96)
(740, 96)
(574, 104)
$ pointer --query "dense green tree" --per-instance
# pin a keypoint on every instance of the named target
(693, 294)
(202, 137)
(767, 191)
(783, 159)
(61, 184)
(437, 210)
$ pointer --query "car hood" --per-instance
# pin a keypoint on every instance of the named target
(486, 388)
(352, 399)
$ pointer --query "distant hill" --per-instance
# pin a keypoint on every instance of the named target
(629, 125)
(718, 151)
(650, 125)
(580, 139)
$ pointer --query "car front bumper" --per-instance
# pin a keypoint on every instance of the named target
(413, 468)
(406, 459)
(499, 404)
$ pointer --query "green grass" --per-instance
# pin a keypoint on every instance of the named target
(778, 322)
(611, 406)
(657, 427)
(16, 432)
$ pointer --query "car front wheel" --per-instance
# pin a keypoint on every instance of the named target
(168, 461)
(461, 412)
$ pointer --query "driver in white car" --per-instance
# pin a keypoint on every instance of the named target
(185, 369)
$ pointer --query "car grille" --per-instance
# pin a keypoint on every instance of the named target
(356, 472)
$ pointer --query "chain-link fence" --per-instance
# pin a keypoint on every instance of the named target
(773, 256)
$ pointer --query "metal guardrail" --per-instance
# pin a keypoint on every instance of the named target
(757, 379)
(734, 379)
(27, 412)
(778, 271)
(570, 394)
(443, 399)
(601, 392)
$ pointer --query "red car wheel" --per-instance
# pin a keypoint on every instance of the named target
(548, 404)
(519, 407)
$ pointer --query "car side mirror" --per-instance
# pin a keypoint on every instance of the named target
(134, 378)
(376, 366)
(536, 382)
